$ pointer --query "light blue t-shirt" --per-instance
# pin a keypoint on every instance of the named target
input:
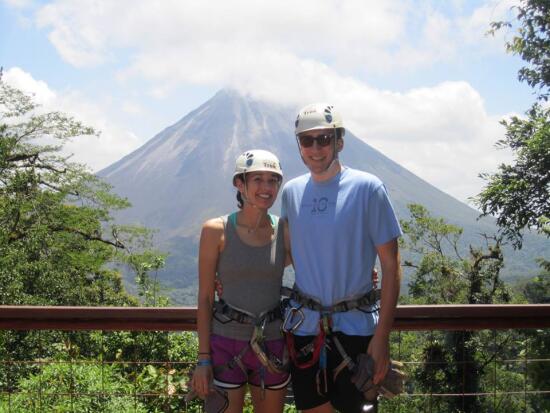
(335, 227)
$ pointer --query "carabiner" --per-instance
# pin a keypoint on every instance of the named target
(290, 317)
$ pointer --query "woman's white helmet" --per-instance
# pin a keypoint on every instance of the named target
(318, 116)
(257, 160)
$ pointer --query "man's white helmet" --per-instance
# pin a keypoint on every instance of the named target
(318, 116)
(257, 160)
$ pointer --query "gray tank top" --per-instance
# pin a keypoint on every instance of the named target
(251, 278)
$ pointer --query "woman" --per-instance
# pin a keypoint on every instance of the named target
(239, 337)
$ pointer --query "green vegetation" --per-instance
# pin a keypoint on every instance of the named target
(458, 362)
(60, 246)
(77, 387)
(519, 194)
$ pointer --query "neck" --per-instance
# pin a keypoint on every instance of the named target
(329, 173)
(253, 218)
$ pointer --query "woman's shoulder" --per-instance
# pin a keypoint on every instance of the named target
(214, 225)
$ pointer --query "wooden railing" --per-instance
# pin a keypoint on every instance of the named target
(408, 317)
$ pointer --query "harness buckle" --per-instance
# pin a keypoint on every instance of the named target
(326, 322)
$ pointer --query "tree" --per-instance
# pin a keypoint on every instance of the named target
(58, 241)
(57, 233)
(519, 194)
(454, 362)
(531, 43)
(54, 214)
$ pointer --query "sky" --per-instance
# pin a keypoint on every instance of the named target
(421, 81)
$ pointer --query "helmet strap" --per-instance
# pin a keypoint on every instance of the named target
(334, 151)
(244, 195)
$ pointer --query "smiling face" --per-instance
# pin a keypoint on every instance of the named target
(261, 188)
(317, 148)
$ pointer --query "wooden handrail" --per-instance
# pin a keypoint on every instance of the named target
(408, 317)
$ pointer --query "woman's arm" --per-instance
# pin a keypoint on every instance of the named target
(211, 243)
(288, 253)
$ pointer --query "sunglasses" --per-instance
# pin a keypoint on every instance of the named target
(322, 140)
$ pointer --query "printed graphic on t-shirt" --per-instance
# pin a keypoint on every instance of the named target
(318, 206)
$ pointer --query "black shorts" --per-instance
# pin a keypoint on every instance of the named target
(342, 394)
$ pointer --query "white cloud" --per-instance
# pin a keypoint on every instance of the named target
(184, 40)
(473, 29)
(296, 52)
(23, 81)
(114, 141)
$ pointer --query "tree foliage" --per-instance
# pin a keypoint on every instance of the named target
(59, 245)
(74, 387)
(53, 213)
(519, 194)
(531, 42)
(57, 235)
(442, 274)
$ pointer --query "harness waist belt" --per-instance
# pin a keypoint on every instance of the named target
(304, 300)
(244, 317)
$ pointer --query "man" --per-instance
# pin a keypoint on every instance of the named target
(340, 219)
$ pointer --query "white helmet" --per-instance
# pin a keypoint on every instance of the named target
(257, 160)
(318, 116)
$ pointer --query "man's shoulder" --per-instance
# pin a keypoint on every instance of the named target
(358, 177)
(297, 182)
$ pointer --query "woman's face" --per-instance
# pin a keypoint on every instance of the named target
(261, 188)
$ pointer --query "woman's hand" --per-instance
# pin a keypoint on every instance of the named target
(375, 278)
(218, 287)
(202, 380)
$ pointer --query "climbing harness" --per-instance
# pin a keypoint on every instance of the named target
(257, 342)
(303, 300)
(232, 313)
(316, 351)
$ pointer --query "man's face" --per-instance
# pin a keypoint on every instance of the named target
(317, 147)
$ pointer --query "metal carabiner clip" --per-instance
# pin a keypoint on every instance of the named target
(290, 317)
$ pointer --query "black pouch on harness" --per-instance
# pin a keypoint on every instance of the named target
(390, 386)
(216, 401)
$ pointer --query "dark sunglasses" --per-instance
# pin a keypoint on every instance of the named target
(322, 140)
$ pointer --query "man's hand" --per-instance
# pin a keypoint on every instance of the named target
(379, 350)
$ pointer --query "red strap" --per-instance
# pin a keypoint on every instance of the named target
(318, 343)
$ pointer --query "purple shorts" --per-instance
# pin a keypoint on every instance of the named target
(224, 349)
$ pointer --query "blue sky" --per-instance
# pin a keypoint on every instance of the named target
(418, 80)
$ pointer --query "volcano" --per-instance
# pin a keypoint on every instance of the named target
(183, 176)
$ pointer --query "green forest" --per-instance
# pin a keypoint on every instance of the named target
(59, 245)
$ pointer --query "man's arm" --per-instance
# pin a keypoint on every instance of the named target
(379, 347)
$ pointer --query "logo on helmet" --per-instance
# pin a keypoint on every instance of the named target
(328, 114)
(249, 158)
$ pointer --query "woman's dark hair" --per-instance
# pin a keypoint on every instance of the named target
(240, 201)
